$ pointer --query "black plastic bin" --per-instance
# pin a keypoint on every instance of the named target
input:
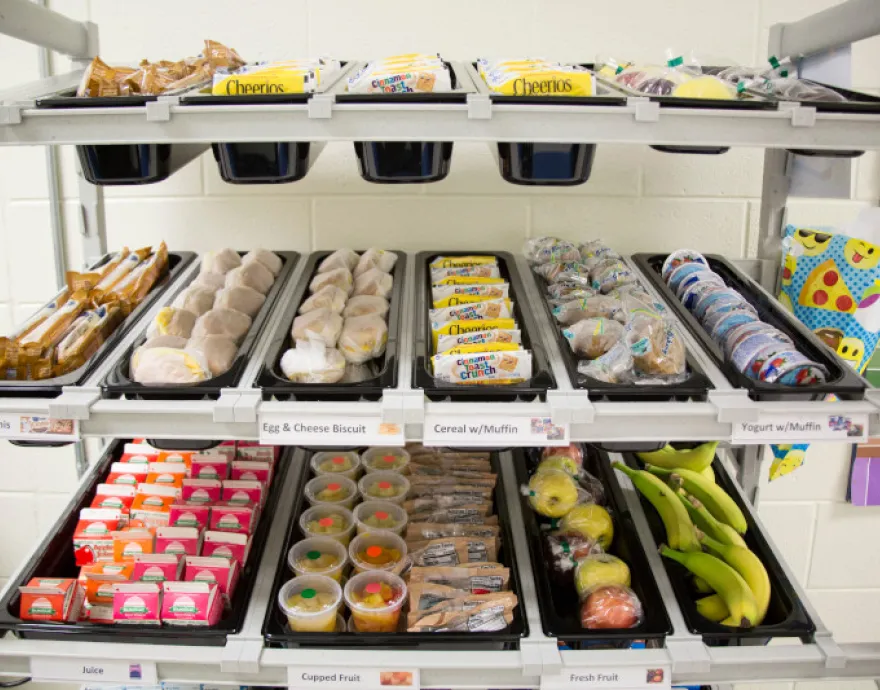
(842, 381)
(119, 381)
(695, 387)
(786, 616)
(277, 633)
(52, 388)
(542, 375)
(54, 558)
(558, 602)
(275, 384)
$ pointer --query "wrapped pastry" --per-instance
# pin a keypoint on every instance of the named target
(85, 336)
(373, 282)
(375, 258)
(491, 368)
(341, 258)
(356, 373)
(195, 299)
(555, 272)
(438, 275)
(311, 362)
(365, 305)
(340, 277)
(211, 281)
(592, 338)
(615, 366)
(132, 289)
(173, 341)
(266, 258)
(51, 329)
(221, 261)
(488, 309)
(253, 275)
(363, 338)
(172, 321)
(328, 297)
(322, 325)
(244, 299)
(126, 266)
(218, 351)
(657, 349)
(550, 250)
(233, 324)
(165, 365)
(589, 308)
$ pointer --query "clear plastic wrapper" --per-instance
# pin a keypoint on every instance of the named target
(172, 321)
(375, 258)
(419, 531)
(218, 350)
(488, 309)
(356, 373)
(265, 257)
(575, 289)
(611, 608)
(592, 338)
(572, 451)
(363, 338)
(340, 277)
(341, 258)
(612, 367)
(233, 324)
(373, 282)
(168, 366)
(322, 325)
(328, 297)
(599, 569)
(253, 275)
(599, 306)
(195, 299)
(221, 261)
(550, 250)
(312, 362)
(658, 352)
(612, 275)
(365, 305)
(244, 299)
(555, 272)
(563, 551)
(211, 281)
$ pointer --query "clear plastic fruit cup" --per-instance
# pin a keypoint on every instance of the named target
(341, 625)
(385, 459)
(311, 603)
(337, 463)
(328, 489)
(335, 522)
(318, 556)
(384, 486)
(375, 599)
(379, 516)
(378, 551)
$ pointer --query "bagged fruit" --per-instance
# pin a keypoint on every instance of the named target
(611, 607)
(597, 570)
(591, 521)
(551, 493)
(563, 551)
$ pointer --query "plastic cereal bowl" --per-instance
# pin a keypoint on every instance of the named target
(384, 486)
(375, 599)
(311, 603)
(338, 463)
(385, 459)
(327, 521)
(318, 556)
(328, 489)
(378, 551)
(379, 516)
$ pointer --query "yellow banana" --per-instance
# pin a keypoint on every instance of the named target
(732, 535)
(680, 531)
(702, 587)
(709, 474)
(718, 503)
(695, 459)
(703, 519)
(713, 608)
(747, 564)
(728, 583)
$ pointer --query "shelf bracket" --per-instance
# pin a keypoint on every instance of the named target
(10, 114)
(803, 116)
(644, 110)
(834, 655)
(224, 408)
(246, 406)
(479, 106)
(571, 407)
(242, 656)
(74, 402)
(321, 106)
(160, 110)
(689, 655)
(540, 657)
(403, 406)
(734, 405)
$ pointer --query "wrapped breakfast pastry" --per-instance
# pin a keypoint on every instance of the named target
(414, 73)
(221, 261)
(312, 362)
(375, 258)
(363, 338)
(165, 365)
(268, 259)
(218, 351)
(195, 299)
(240, 298)
(252, 275)
(321, 324)
(328, 297)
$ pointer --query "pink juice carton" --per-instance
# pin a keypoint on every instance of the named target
(139, 602)
(214, 466)
(252, 470)
(154, 567)
(191, 603)
(242, 492)
(189, 515)
(227, 545)
(230, 517)
(222, 571)
(178, 541)
(201, 490)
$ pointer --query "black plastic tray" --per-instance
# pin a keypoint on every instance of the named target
(786, 616)
(119, 382)
(54, 558)
(273, 381)
(277, 633)
(559, 605)
(842, 381)
(542, 376)
(51, 388)
(696, 387)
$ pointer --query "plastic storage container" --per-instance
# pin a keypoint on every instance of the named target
(327, 521)
(265, 162)
(310, 603)
(385, 459)
(318, 556)
(375, 599)
(329, 490)
(380, 516)
(384, 486)
(377, 551)
(129, 164)
(336, 463)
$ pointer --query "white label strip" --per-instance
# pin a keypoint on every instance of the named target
(353, 678)
(25, 427)
(623, 678)
(328, 430)
(93, 672)
(493, 431)
(803, 428)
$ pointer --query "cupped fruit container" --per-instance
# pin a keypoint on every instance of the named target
(318, 556)
(328, 489)
(338, 463)
(385, 459)
(384, 486)
(375, 599)
(327, 521)
(378, 551)
(380, 516)
(311, 603)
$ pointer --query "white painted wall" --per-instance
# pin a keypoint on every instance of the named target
(637, 199)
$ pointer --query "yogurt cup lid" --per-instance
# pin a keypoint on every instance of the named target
(679, 257)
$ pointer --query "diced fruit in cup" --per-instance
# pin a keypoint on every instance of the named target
(383, 489)
(333, 493)
(379, 555)
(376, 595)
(338, 463)
(316, 561)
(310, 601)
(330, 524)
(389, 462)
(380, 520)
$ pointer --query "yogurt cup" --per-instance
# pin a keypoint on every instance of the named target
(335, 522)
(337, 463)
(694, 292)
(310, 603)
(719, 297)
(791, 368)
(380, 516)
(375, 599)
(736, 335)
(726, 321)
(384, 486)
(385, 459)
(706, 277)
(751, 353)
(328, 489)
(678, 274)
(378, 551)
(679, 257)
(318, 556)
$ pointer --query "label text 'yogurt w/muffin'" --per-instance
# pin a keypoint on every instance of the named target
(803, 428)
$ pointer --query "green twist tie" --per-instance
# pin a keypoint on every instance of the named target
(619, 69)
(675, 62)
(774, 63)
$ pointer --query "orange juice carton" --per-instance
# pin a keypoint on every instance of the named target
(201, 490)
(242, 492)
(128, 543)
(137, 602)
(127, 473)
(93, 535)
(222, 571)
(116, 496)
(191, 603)
(189, 515)
(259, 453)
(232, 517)
(179, 541)
(152, 503)
(166, 473)
(252, 470)
(98, 579)
(176, 457)
(213, 466)
(139, 453)
(154, 567)
(50, 599)
(227, 545)
(97, 613)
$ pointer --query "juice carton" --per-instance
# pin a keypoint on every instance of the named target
(154, 567)
(191, 603)
(227, 545)
(179, 541)
(93, 535)
(98, 579)
(252, 470)
(177, 457)
(97, 613)
(137, 602)
(166, 473)
(152, 503)
(201, 490)
(129, 543)
(47, 599)
(213, 466)
(242, 492)
(189, 515)
(231, 517)
(259, 453)
(223, 571)
(139, 453)
(116, 496)
(128, 473)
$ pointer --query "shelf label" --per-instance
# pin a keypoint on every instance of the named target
(353, 678)
(500, 430)
(25, 427)
(91, 671)
(618, 678)
(803, 428)
(328, 430)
